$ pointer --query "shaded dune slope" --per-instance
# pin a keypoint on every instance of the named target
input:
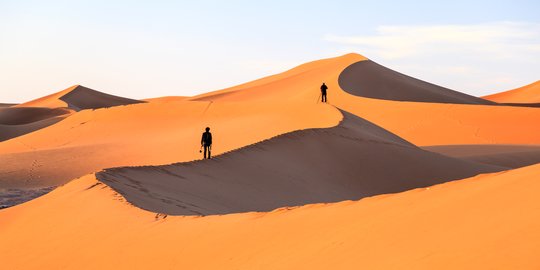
(26, 115)
(369, 79)
(511, 156)
(17, 121)
(352, 160)
(20, 119)
(78, 98)
(82, 98)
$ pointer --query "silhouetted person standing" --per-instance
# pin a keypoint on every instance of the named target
(323, 92)
(206, 142)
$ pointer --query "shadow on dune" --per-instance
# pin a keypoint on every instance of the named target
(82, 98)
(352, 160)
(369, 79)
(17, 121)
(511, 156)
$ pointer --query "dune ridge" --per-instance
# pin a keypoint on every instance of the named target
(78, 98)
(525, 95)
(17, 121)
(369, 79)
(349, 161)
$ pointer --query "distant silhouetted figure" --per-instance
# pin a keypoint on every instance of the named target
(206, 142)
(323, 92)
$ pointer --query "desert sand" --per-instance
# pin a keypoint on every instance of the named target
(17, 121)
(485, 222)
(78, 97)
(369, 79)
(346, 162)
(510, 156)
(528, 94)
(290, 183)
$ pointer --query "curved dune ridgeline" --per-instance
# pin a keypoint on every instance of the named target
(350, 161)
(369, 79)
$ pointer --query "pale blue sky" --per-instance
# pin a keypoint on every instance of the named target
(145, 49)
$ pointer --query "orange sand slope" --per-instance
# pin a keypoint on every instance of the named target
(526, 94)
(486, 222)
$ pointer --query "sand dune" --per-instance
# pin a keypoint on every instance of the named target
(300, 83)
(419, 229)
(369, 79)
(278, 146)
(82, 98)
(511, 156)
(441, 124)
(49, 101)
(78, 98)
(17, 121)
(421, 123)
(26, 115)
(4, 105)
(162, 131)
(145, 134)
(528, 94)
(166, 130)
(346, 162)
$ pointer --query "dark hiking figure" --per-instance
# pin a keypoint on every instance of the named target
(206, 142)
(323, 92)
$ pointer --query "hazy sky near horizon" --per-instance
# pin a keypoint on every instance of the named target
(144, 49)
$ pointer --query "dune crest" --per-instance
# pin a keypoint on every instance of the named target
(346, 162)
(528, 94)
(369, 79)
(78, 98)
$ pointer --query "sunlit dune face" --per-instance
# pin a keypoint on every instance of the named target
(526, 94)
